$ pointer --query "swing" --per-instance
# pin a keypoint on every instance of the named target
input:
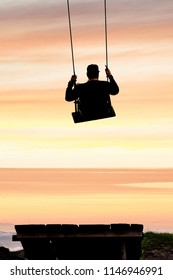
(77, 115)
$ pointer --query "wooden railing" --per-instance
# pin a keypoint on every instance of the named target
(80, 242)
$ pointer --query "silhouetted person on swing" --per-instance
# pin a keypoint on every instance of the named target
(94, 95)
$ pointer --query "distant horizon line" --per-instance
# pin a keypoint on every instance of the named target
(112, 168)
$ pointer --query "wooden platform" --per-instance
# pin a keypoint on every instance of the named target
(80, 242)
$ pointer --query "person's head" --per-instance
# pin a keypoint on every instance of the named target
(92, 71)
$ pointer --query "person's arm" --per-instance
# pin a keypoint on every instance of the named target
(70, 93)
(113, 87)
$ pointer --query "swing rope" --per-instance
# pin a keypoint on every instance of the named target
(106, 33)
(71, 39)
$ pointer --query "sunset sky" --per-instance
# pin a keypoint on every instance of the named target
(36, 127)
(87, 196)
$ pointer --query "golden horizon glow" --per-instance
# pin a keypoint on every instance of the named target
(87, 196)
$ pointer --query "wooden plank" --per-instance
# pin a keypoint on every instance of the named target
(137, 227)
(120, 235)
(54, 228)
(30, 229)
(69, 228)
(120, 227)
(94, 229)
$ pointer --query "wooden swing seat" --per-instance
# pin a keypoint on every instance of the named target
(78, 117)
